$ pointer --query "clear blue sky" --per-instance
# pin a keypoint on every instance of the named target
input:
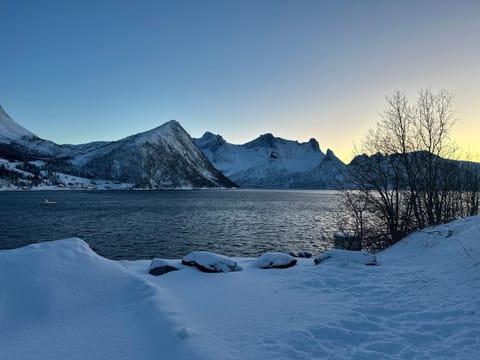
(75, 71)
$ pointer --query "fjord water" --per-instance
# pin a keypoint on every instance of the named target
(169, 224)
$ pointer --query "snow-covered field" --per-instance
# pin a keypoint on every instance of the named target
(60, 300)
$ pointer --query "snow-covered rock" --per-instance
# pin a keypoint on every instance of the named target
(210, 262)
(163, 266)
(346, 257)
(275, 260)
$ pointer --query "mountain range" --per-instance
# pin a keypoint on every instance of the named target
(166, 157)
(273, 162)
(162, 158)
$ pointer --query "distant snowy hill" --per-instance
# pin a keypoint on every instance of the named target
(270, 161)
(162, 158)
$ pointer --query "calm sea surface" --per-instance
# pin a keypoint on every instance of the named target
(143, 224)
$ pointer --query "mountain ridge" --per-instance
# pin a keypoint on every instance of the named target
(269, 161)
(166, 157)
(161, 158)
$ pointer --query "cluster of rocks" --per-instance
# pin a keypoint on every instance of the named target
(215, 263)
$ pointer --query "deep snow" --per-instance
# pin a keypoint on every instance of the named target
(60, 300)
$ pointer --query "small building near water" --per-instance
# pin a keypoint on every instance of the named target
(348, 241)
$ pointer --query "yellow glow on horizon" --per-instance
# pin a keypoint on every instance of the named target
(465, 134)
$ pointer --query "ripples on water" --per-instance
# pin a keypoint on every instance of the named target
(143, 224)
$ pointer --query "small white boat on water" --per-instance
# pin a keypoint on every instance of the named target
(48, 202)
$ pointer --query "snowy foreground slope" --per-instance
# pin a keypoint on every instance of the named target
(59, 300)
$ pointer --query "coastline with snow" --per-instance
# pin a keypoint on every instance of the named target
(61, 300)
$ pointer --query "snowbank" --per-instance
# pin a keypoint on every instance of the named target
(346, 257)
(60, 300)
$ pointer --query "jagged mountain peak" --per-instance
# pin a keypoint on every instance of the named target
(331, 157)
(210, 137)
(172, 128)
(268, 140)
(314, 143)
(262, 162)
(210, 141)
(172, 124)
(330, 154)
(264, 140)
(266, 136)
(9, 129)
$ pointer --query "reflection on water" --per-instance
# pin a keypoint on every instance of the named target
(143, 224)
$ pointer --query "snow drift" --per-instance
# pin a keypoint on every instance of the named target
(60, 300)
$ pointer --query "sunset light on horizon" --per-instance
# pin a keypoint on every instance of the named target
(76, 72)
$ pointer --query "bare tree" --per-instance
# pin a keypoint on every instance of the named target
(405, 176)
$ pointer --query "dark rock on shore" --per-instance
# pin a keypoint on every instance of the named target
(275, 260)
(210, 262)
(161, 266)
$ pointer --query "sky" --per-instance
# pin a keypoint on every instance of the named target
(79, 71)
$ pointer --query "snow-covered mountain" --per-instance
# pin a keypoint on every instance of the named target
(164, 157)
(10, 130)
(331, 173)
(19, 143)
(270, 161)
